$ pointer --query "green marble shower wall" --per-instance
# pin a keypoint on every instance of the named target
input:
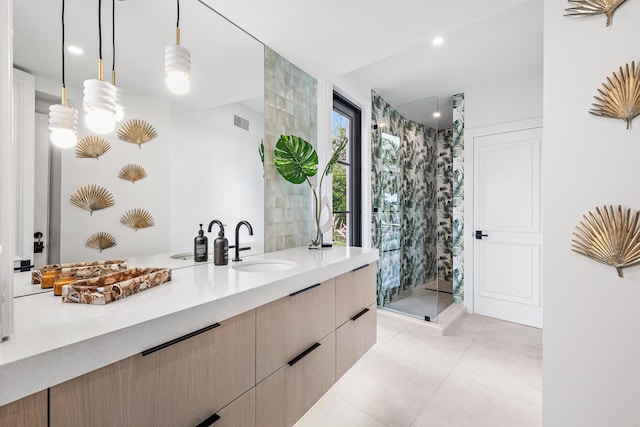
(415, 178)
(458, 198)
(290, 107)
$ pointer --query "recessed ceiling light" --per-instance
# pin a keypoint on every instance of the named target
(436, 114)
(438, 41)
(75, 50)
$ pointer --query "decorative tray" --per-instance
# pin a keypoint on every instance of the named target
(112, 287)
(82, 270)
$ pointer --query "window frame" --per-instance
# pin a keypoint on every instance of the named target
(354, 184)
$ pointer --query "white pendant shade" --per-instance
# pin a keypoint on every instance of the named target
(177, 66)
(119, 105)
(99, 105)
(63, 124)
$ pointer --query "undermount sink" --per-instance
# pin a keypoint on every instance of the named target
(185, 256)
(264, 265)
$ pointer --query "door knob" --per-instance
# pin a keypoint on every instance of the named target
(479, 235)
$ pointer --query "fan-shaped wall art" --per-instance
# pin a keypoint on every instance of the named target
(583, 8)
(610, 236)
(137, 131)
(92, 198)
(92, 147)
(101, 241)
(132, 172)
(137, 218)
(620, 97)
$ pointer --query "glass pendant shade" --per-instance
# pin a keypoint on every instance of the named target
(177, 66)
(63, 124)
(99, 105)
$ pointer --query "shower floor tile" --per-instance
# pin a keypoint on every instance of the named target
(415, 377)
(422, 302)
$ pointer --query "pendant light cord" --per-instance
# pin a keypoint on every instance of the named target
(113, 33)
(178, 20)
(63, 81)
(100, 27)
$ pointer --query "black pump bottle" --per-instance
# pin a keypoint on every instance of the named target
(200, 246)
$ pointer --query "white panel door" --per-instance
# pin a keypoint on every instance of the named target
(508, 234)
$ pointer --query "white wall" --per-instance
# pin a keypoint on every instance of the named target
(591, 350)
(150, 193)
(206, 180)
(516, 99)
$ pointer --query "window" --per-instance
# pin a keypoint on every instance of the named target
(347, 177)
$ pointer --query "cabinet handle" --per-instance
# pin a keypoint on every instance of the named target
(359, 315)
(304, 290)
(209, 421)
(360, 268)
(303, 354)
(179, 339)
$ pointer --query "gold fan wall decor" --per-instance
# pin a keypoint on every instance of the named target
(583, 8)
(137, 218)
(101, 241)
(92, 198)
(137, 131)
(132, 172)
(92, 147)
(620, 97)
(610, 236)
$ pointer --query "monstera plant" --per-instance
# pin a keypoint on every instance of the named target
(296, 161)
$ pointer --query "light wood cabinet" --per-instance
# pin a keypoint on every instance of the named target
(239, 413)
(288, 326)
(355, 291)
(354, 338)
(30, 411)
(283, 397)
(181, 383)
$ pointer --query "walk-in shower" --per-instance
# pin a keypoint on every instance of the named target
(411, 207)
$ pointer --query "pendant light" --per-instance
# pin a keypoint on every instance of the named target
(119, 107)
(99, 101)
(177, 64)
(63, 119)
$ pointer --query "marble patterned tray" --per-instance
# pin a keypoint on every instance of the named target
(82, 270)
(115, 286)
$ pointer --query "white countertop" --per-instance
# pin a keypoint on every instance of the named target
(53, 341)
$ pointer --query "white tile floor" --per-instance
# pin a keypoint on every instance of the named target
(486, 373)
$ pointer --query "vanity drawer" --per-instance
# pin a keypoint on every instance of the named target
(180, 384)
(283, 397)
(355, 291)
(239, 413)
(286, 327)
(354, 338)
(30, 411)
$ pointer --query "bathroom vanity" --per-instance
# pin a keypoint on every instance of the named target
(252, 346)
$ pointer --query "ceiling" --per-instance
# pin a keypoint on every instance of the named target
(381, 44)
(386, 45)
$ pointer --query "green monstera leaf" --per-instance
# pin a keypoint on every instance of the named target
(295, 159)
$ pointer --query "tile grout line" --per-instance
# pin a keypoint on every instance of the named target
(446, 377)
(498, 391)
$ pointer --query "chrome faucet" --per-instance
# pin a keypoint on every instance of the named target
(237, 245)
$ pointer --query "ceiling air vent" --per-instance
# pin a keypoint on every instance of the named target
(240, 122)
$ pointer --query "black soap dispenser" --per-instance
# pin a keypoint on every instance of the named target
(200, 246)
(221, 249)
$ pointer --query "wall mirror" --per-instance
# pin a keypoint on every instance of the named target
(203, 164)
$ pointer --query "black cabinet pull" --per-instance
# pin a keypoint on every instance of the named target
(209, 421)
(359, 315)
(304, 290)
(303, 354)
(360, 268)
(177, 340)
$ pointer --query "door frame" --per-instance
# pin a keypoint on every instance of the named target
(470, 135)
